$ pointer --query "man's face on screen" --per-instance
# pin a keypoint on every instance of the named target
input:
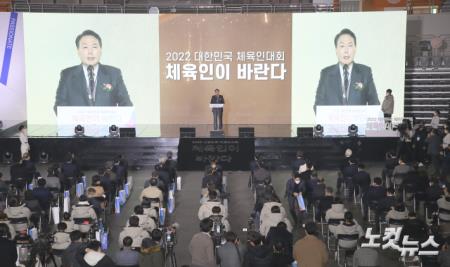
(89, 50)
(345, 49)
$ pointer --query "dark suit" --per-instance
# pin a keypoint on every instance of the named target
(73, 89)
(217, 112)
(330, 93)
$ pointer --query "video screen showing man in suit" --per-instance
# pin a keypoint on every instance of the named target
(347, 82)
(91, 83)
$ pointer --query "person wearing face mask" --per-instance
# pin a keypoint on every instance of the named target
(91, 83)
(294, 188)
(347, 82)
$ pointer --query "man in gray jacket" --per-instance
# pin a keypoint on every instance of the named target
(230, 254)
(388, 108)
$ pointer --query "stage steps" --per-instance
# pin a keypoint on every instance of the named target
(427, 90)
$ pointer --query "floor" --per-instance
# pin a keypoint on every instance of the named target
(240, 206)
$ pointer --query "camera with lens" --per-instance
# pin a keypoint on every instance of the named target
(169, 237)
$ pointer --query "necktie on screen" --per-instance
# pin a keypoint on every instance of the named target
(346, 84)
(91, 81)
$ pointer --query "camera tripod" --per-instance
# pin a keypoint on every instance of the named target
(169, 257)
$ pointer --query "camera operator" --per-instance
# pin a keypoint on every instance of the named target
(201, 246)
(93, 256)
(258, 254)
(205, 209)
(71, 251)
(230, 254)
(152, 253)
(8, 251)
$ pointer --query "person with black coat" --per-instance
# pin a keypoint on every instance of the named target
(8, 251)
(258, 254)
(93, 256)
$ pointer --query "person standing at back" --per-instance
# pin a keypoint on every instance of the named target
(388, 108)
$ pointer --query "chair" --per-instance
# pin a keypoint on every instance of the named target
(19, 223)
(372, 206)
(396, 223)
(445, 212)
(347, 251)
(333, 222)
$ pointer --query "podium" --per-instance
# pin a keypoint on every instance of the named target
(95, 120)
(217, 117)
(216, 105)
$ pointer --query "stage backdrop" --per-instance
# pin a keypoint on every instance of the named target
(380, 44)
(13, 105)
(130, 43)
(247, 57)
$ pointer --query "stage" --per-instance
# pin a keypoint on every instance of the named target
(275, 144)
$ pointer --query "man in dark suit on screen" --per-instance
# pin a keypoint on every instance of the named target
(217, 98)
(347, 82)
(91, 83)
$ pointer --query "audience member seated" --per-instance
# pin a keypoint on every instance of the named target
(69, 171)
(310, 250)
(8, 250)
(230, 253)
(152, 191)
(4, 219)
(68, 221)
(444, 204)
(272, 220)
(43, 195)
(53, 182)
(133, 231)
(280, 234)
(361, 179)
(397, 215)
(205, 192)
(375, 194)
(416, 229)
(152, 253)
(18, 215)
(61, 239)
(346, 228)
(336, 212)
(267, 206)
(201, 246)
(97, 186)
(384, 206)
(83, 215)
(4, 187)
(71, 251)
(205, 209)
(145, 222)
(324, 203)
(365, 256)
(258, 254)
(127, 256)
(432, 194)
(318, 189)
(212, 176)
(216, 217)
(92, 256)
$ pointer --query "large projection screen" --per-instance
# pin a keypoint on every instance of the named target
(129, 43)
(380, 46)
